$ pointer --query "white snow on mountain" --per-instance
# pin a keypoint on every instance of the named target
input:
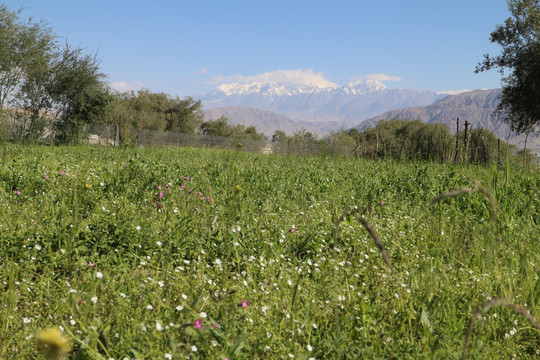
(304, 95)
(277, 83)
(361, 87)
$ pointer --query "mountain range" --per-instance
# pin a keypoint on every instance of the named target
(324, 107)
(317, 101)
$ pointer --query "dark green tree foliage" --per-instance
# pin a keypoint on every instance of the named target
(482, 146)
(415, 140)
(78, 92)
(157, 111)
(519, 38)
(221, 127)
(24, 47)
(47, 85)
(279, 136)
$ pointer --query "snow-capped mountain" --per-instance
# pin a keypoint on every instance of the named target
(275, 88)
(312, 98)
(362, 87)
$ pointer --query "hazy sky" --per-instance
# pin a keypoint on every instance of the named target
(188, 47)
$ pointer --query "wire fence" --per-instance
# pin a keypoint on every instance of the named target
(115, 135)
(12, 129)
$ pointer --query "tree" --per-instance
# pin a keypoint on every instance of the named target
(157, 111)
(279, 136)
(78, 92)
(47, 84)
(519, 38)
(23, 47)
(219, 127)
(184, 115)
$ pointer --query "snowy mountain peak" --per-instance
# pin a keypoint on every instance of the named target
(274, 88)
(294, 85)
(360, 87)
(277, 83)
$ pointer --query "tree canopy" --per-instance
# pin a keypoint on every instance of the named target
(45, 84)
(519, 38)
(157, 111)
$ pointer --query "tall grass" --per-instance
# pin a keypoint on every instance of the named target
(177, 253)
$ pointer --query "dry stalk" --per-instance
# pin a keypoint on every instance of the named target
(492, 303)
(447, 195)
(339, 220)
(378, 241)
(481, 188)
(487, 194)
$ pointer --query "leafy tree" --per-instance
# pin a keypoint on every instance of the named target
(78, 91)
(157, 111)
(46, 84)
(184, 115)
(221, 127)
(279, 136)
(24, 46)
(519, 38)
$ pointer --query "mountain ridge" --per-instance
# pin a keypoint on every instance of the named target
(317, 101)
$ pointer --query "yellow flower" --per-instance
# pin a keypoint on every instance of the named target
(53, 342)
(238, 188)
(88, 187)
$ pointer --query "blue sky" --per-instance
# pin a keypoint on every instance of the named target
(188, 47)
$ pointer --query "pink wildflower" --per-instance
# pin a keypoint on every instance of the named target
(214, 325)
(17, 192)
(91, 264)
(245, 304)
(45, 176)
(183, 186)
(62, 172)
(160, 195)
(169, 185)
(382, 202)
(159, 206)
(159, 187)
(198, 324)
(293, 229)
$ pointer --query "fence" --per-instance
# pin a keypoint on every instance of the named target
(115, 135)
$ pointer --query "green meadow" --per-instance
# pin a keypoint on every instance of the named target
(182, 253)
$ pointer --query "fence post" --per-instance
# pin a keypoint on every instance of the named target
(457, 141)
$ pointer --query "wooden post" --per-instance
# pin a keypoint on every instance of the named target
(466, 141)
(457, 141)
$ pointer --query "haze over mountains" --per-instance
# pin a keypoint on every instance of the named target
(314, 100)
(321, 106)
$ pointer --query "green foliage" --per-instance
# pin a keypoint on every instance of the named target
(279, 136)
(147, 253)
(157, 111)
(519, 38)
(221, 127)
(79, 94)
(24, 47)
(48, 86)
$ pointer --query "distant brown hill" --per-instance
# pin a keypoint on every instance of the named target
(268, 122)
(476, 107)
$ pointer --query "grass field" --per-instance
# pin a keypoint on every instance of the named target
(207, 254)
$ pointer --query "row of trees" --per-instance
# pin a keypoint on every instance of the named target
(413, 140)
(144, 110)
(49, 88)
